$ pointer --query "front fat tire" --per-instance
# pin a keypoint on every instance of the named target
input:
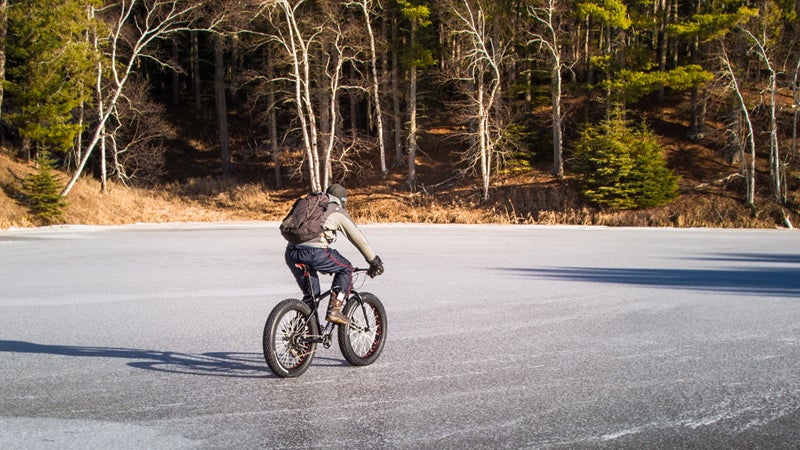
(362, 347)
(284, 357)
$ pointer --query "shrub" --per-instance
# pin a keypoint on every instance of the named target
(42, 192)
(622, 167)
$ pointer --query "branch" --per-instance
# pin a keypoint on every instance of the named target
(174, 19)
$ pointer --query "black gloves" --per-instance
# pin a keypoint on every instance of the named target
(375, 267)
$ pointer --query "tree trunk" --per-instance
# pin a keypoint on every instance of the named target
(100, 111)
(198, 103)
(483, 132)
(701, 111)
(385, 87)
(298, 50)
(588, 53)
(75, 156)
(774, 151)
(412, 113)
(545, 18)
(333, 101)
(169, 22)
(796, 97)
(749, 169)
(175, 76)
(3, 32)
(396, 99)
(662, 15)
(558, 160)
(103, 166)
(376, 88)
(272, 120)
(325, 123)
(693, 111)
(221, 106)
(355, 121)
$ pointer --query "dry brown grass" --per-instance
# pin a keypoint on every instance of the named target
(12, 212)
(203, 200)
(709, 197)
(547, 202)
(529, 198)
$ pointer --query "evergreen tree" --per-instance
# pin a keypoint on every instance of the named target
(49, 69)
(42, 192)
(622, 167)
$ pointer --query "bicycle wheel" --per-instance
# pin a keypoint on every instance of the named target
(362, 341)
(286, 353)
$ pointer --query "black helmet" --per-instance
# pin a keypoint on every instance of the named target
(338, 191)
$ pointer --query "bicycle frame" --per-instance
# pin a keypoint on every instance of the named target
(325, 337)
(292, 332)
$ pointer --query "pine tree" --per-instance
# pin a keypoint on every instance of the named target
(42, 192)
(623, 167)
(50, 70)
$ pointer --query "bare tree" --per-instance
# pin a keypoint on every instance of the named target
(315, 39)
(3, 31)
(138, 153)
(546, 35)
(396, 97)
(760, 48)
(748, 168)
(99, 71)
(272, 119)
(221, 105)
(796, 106)
(412, 112)
(366, 7)
(483, 61)
(297, 44)
(195, 59)
(418, 14)
(334, 63)
(134, 26)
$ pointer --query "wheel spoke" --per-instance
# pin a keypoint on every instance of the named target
(289, 344)
(362, 340)
(289, 355)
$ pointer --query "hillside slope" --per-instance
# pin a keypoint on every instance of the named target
(709, 197)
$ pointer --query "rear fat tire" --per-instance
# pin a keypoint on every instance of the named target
(361, 348)
(284, 355)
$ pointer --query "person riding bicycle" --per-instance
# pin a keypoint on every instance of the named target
(317, 256)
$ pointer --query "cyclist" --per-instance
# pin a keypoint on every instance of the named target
(317, 256)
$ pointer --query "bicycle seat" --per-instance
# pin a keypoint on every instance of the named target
(301, 266)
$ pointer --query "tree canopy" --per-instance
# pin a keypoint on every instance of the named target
(317, 83)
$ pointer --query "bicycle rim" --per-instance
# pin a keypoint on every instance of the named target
(364, 333)
(287, 349)
(362, 341)
(290, 353)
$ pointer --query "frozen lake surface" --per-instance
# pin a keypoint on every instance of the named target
(149, 336)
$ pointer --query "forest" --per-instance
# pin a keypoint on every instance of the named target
(294, 95)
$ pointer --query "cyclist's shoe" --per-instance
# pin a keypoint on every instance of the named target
(335, 314)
